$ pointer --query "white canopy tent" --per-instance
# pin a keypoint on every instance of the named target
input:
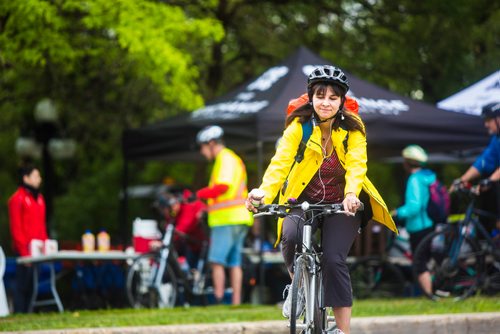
(471, 99)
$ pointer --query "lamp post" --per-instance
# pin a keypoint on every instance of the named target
(46, 145)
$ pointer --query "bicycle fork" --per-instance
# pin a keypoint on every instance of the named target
(164, 253)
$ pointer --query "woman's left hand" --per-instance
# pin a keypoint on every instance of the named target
(351, 203)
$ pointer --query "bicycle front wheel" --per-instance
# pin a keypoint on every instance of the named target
(145, 289)
(305, 315)
(454, 261)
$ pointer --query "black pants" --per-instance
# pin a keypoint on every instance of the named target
(415, 239)
(24, 288)
(338, 234)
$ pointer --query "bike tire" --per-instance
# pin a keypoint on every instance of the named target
(375, 277)
(142, 291)
(298, 283)
(321, 312)
(310, 317)
(459, 279)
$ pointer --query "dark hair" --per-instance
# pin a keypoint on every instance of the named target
(25, 170)
(351, 122)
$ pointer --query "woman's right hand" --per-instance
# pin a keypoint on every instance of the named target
(351, 203)
(254, 199)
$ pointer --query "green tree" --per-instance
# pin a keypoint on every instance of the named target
(109, 65)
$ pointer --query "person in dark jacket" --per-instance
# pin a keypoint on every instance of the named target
(27, 222)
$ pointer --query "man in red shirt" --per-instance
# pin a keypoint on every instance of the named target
(27, 222)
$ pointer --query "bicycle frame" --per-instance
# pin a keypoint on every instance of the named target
(164, 253)
(463, 226)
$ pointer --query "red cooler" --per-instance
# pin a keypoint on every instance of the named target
(144, 231)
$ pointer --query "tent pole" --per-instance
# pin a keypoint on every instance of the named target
(261, 221)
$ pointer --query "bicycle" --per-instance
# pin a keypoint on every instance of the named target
(156, 279)
(381, 276)
(461, 256)
(307, 267)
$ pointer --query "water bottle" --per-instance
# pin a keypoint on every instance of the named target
(88, 241)
(103, 241)
(184, 265)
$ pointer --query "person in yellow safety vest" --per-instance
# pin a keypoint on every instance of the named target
(228, 218)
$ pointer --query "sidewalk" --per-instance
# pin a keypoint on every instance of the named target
(463, 323)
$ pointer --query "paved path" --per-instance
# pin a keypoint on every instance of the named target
(464, 323)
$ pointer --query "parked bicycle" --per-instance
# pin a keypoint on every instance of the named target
(382, 276)
(462, 257)
(157, 278)
(307, 278)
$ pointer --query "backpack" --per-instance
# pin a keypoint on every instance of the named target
(438, 207)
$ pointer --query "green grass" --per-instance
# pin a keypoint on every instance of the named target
(217, 314)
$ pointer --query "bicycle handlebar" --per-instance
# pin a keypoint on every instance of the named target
(282, 210)
(468, 188)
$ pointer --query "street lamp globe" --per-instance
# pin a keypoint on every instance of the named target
(28, 147)
(46, 111)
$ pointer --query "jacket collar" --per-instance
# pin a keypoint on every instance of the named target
(314, 142)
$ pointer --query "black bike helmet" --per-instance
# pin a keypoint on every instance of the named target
(328, 74)
(491, 110)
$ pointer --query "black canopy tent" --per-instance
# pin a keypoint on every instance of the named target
(253, 115)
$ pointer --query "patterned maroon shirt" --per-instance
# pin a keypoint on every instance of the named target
(331, 190)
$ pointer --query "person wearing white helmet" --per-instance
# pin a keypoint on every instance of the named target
(413, 214)
(228, 218)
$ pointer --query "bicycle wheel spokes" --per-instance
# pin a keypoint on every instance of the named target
(455, 267)
(145, 289)
(305, 313)
(298, 321)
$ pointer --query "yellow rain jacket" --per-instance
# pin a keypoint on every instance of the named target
(353, 161)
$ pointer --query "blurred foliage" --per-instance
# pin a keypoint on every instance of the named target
(112, 65)
(109, 66)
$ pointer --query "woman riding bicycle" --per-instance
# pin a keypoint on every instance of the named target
(333, 170)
